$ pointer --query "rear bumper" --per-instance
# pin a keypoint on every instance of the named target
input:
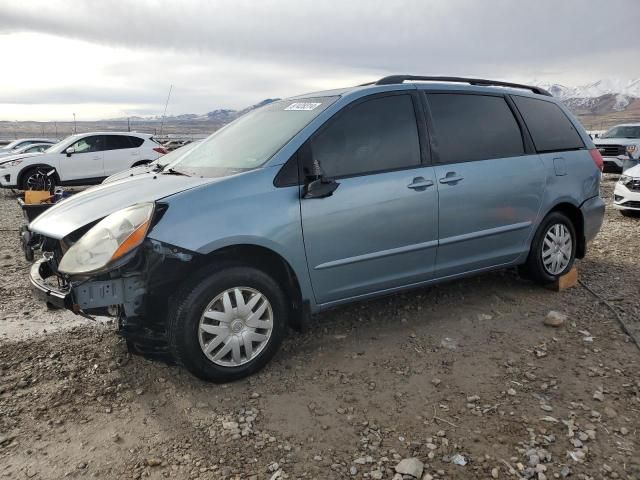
(612, 165)
(593, 215)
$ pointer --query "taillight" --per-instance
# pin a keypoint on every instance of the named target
(597, 158)
(160, 150)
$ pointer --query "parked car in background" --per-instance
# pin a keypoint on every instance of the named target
(81, 159)
(619, 144)
(626, 194)
(33, 148)
(154, 166)
(321, 200)
(17, 146)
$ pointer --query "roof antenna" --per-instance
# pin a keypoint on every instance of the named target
(165, 109)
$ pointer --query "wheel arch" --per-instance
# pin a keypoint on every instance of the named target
(26, 168)
(574, 214)
(271, 262)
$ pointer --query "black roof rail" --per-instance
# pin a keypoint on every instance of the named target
(392, 79)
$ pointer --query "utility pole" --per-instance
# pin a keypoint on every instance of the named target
(75, 128)
(128, 124)
(165, 109)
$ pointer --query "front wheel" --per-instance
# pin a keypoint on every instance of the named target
(553, 249)
(38, 179)
(227, 323)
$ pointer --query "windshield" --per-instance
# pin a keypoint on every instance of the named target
(623, 132)
(175, 155)
(57, 147)
(252, 139)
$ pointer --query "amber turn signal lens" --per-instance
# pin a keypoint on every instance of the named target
(132, 241)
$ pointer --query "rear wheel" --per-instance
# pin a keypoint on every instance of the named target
(227, 323)
(553, 249)
(38, 179)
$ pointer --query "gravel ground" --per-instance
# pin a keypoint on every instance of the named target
(461, 380)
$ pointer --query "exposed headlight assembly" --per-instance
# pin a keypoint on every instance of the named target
(109, 240)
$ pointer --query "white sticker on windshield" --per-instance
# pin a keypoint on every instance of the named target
(303, 106)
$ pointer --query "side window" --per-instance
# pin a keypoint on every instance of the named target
(136, 141)
(94, 143)
(118, 142)
(372, 136)
(471, 127)
(549, 126)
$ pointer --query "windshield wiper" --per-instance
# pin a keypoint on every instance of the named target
(172, 171)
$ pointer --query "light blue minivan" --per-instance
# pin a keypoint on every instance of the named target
(321, 200)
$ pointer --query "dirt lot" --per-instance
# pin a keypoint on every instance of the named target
(465, 377)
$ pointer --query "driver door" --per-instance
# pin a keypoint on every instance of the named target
(378, 230)
(86, 161)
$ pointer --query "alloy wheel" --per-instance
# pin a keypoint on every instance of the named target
(38, 180)
(557, 247)
(235, 326)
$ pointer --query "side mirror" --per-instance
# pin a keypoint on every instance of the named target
(320, 188)
(70, 150)
(316, 184)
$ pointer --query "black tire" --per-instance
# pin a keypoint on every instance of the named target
(188, 305)
(37, 178)
(534, 268)
(630, 213)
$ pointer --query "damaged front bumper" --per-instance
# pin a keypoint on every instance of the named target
(87, 297)
(61, 297)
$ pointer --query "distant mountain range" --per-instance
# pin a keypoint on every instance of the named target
(606, 97)
(597, 104)
(219, 116)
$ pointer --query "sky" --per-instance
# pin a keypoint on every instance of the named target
(115, 58)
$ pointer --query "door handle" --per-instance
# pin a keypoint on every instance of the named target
(96, 158)
(419, 184)
(451, 177)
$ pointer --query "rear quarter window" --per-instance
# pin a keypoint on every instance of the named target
(136, 141)
(550, 128)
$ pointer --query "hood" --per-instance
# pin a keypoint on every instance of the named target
(17, 156)
(633, 171)
(132, 172)
(99, 201)
(616, 141)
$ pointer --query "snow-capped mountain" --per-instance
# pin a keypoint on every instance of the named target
(608, 86)
(596, 98)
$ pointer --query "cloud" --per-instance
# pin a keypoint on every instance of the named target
(367, 34)
(241, 51)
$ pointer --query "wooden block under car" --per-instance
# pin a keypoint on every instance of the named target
(567, 280)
